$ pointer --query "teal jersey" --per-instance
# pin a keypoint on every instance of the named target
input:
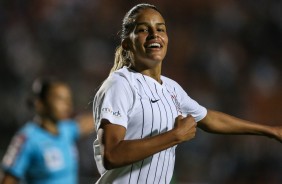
(38, 157)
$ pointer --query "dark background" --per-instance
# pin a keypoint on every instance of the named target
(226, 54)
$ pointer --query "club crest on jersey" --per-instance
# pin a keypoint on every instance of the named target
(54, 159)
(176, 103)
(108, 110)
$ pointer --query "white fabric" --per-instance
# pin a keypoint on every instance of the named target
(145, 108)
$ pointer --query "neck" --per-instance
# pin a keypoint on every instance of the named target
(47, 124)
(154, 73)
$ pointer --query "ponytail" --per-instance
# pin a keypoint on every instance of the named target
(122, 58)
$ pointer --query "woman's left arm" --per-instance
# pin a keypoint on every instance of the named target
(221, 123)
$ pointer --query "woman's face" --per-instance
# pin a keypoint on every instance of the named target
(148, 40)
(58, 104)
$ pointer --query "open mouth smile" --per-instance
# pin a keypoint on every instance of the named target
(154, 45)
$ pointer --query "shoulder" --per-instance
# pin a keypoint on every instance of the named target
(121, 79)
(29, 129)
(123, 75)
(170, 82)
(30, 134)
(23, 139)
(115, 79)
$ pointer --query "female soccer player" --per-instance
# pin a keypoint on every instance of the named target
(44, 150)
(142, 115)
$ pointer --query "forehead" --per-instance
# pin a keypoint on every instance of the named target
(59, 88)
(149, 16)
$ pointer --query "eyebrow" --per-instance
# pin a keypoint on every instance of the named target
(145, 23)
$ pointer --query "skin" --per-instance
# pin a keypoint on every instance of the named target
(56, 107)
(9, 179)
(117, 152)
(150, 28)
(59, 106)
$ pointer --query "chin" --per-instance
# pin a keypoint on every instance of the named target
(156, 60)
(63, 117)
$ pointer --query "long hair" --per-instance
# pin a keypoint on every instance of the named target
(124, 57)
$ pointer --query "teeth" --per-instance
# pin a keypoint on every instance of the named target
(154, 45)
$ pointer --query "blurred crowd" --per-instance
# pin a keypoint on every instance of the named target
(226, 54)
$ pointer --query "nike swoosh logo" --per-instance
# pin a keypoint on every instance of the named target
(154, 101)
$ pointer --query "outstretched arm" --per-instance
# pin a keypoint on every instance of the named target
(86, 123)
(221, 123)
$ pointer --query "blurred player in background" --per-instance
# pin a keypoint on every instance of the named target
(44, 150)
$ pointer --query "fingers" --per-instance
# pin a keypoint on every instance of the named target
(189, 120)
(179, 117)
(185, 127)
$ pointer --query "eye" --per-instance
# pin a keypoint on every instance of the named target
(140, 30)
(161, 29)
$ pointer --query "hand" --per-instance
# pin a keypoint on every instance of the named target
(277, 133)
(185, 128)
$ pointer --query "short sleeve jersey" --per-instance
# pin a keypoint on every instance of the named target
(38, 157)
(145, 108)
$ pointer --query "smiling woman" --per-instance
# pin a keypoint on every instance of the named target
(141, 115)
(147, 42)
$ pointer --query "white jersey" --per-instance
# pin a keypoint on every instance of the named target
(145, 108)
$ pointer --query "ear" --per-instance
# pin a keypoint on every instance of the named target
(39, 106)
(125, 44)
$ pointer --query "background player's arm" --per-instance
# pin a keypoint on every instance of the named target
(117, 152)
(9, 179)
(218, 122)
(86, 123)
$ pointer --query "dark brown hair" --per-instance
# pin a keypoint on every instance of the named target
(40, 89)
(122, 56)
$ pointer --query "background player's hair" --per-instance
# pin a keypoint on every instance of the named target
(122, 56)
(40, 89)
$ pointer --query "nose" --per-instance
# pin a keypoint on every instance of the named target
(153, 33)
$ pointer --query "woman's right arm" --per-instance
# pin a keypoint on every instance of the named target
(117, 152)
